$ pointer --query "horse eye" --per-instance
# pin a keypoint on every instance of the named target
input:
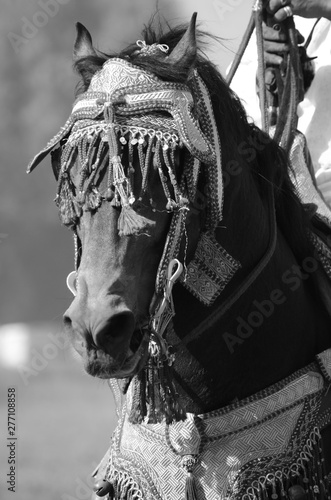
(56, 162)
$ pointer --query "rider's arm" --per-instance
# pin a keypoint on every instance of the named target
(303, 8)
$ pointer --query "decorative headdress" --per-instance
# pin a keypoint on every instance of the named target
(123, 107)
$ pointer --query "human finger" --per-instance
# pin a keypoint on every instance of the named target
(283, 13)
(269, 33)
(276, 48)
(273, 60)
(275, 5)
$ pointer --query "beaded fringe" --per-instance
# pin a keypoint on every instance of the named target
(99, 146)
(124, 487)
(306, 479)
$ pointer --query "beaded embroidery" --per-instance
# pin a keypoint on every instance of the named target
(210, 270)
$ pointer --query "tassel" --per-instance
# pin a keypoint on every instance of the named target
(188, 462)
(163, 401)
(138, 409)
(64, 200)
(154, 395)
(190, 488)
(130, 222)
(67, 211)
(116, 201)
(93, 200)
(173, 410)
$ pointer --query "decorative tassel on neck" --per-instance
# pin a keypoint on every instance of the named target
(155, 396)
(129, 222)
(163, 401)
(138, 409)
(166, 400)
(188, 462)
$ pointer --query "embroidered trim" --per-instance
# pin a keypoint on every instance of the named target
(125, 487)
(214, 174)
(324, 363)
(296, 454)
(324, 253)
(311, 480)
(210, 270)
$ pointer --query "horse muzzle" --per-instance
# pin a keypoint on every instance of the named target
(109, 342)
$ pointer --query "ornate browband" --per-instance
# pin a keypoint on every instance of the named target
(132, 91)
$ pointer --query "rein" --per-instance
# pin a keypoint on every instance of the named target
(249, 280)
(289, 79)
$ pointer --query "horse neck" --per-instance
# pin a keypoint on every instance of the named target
(226, 357)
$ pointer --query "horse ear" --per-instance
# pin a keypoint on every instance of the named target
(83, 45)
(186, 49)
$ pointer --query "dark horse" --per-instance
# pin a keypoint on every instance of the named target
(163, 179)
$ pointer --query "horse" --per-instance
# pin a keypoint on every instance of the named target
(201, 280)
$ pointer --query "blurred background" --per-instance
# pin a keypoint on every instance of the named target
(64, 418)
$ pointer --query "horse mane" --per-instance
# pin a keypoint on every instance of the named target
(270, 165)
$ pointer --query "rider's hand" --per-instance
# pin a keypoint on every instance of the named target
(275, 45)
(304, 8)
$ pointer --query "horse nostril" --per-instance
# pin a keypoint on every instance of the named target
(121, 323)
(67, 321)
(117, 330)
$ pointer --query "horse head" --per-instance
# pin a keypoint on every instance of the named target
(119, 169)
(161, 177)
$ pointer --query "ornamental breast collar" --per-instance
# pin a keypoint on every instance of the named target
(254, 449)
